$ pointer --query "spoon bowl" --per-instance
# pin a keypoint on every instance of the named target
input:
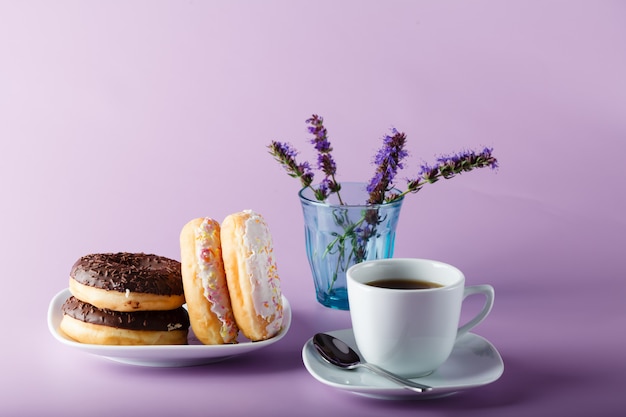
(338, 353)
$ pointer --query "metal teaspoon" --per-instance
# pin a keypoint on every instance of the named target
(336, 352)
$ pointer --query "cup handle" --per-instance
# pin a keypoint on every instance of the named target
(488, 292)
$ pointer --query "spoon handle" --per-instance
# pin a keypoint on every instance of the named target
(406, 383)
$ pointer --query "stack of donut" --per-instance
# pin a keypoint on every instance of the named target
(230, 278)
(126, 299)
(227, 276)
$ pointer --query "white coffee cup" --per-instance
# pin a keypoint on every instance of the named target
(410, 332)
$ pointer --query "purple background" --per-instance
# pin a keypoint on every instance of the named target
(121, 121)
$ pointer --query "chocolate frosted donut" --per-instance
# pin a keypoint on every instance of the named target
(127, 281)
(89, 324)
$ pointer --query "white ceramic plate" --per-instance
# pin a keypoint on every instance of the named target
(473, 362)
(195, 353)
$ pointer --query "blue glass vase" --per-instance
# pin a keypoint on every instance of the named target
(339, 235)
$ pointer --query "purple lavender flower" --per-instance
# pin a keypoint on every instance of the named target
(465, 161)
(322, 191)
(429, 174)
(325, 161)
(388, 161)
(451, 165)
(286, 156)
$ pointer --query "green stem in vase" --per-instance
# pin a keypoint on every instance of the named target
(357, 236)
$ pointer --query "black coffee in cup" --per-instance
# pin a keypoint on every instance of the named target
(404, 284)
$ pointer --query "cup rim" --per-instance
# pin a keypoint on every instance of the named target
(367, 264)
(315, 202)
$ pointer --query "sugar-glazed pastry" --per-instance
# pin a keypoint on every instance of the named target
(204, 282)
(252, 276)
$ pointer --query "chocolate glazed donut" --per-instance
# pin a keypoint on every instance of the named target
(89, 324)
(127, 281)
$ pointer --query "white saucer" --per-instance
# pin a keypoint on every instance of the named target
(473, 362)
(195, 353)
